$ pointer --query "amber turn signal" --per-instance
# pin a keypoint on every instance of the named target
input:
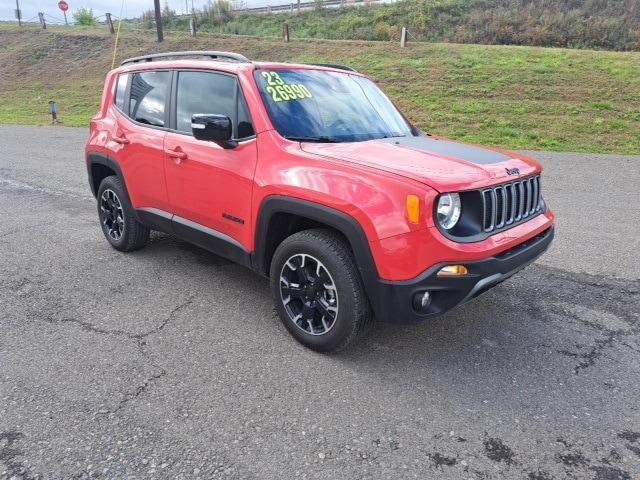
(452, 271)
(413, 208)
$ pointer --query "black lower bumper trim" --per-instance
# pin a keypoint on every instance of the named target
(393, 301)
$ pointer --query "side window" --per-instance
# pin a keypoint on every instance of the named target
(148, 97)
(121, 88)
(203, 92)
(245, 127)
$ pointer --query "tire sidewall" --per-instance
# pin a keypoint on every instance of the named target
(346, 321)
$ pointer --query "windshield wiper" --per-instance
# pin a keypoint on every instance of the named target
(394, 135)
(313, 139)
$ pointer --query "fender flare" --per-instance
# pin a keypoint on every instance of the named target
(94, 158)
(342, 222)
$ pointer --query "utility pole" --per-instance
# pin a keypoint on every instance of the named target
(18, 14)
(158, 20)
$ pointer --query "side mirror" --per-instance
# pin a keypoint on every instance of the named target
(213, 128)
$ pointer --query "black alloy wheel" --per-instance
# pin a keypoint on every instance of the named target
(117, 217)
(112, 214)
(309, 294)
(317, 290)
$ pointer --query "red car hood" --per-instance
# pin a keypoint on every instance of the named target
(442, 164)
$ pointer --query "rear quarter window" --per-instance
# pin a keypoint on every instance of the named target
(121, 88)
(148, 97)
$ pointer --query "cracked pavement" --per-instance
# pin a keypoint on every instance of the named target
(170, 362)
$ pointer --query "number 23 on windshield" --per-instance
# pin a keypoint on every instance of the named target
(279, 90)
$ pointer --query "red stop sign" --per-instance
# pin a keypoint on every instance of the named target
(62, 5)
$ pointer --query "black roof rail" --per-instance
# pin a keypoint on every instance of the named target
(193, 53)
(332, 65)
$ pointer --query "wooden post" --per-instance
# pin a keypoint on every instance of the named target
(269, 9)
(156, 4)
(298, 7)
(291, 9)
(18, 14)
(192, 25)
(404, 36)
(285, 32)
(110, 23)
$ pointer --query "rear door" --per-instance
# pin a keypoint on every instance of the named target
(137, 142)
(207, 185)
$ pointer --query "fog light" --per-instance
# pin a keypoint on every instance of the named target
(421, 301)
(452, 271)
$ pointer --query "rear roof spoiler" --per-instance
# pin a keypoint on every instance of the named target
(333, 65)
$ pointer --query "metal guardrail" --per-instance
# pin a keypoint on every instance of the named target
(299, 6)
(305, 6)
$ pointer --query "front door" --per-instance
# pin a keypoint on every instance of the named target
(209, 186)
(137, 140)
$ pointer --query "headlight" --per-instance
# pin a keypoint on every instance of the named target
(448, 210)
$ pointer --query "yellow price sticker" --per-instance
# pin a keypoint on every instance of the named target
(282, 91)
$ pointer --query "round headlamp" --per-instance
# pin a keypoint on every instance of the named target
(448, 211)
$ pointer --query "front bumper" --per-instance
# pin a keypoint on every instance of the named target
(393, 299)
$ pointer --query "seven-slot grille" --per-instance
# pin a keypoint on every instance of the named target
(510, 203)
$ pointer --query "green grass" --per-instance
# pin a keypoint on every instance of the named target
(607, 25)
(514, 97)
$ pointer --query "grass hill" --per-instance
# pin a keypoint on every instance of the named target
(596, 24)
(517, 97)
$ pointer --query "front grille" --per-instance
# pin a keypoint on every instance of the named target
(510, 203)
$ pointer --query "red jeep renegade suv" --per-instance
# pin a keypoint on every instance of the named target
(309, 175)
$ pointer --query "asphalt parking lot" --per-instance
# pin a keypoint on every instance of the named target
(170, 362)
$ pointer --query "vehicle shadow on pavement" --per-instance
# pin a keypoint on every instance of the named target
(518, 324)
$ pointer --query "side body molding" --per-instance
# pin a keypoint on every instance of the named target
(192, 232)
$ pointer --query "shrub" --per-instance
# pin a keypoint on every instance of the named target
(84, 16)
(394, 33)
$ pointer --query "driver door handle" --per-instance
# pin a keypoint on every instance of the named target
(177, 155)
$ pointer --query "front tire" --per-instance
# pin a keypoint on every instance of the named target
(317, 290)
(117, 218)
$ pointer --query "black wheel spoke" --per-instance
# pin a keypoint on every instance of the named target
(325, 309)
(307, 311)
(292, 290)
(303, 275)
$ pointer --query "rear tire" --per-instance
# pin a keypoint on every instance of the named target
(318, 292)
(117, 217)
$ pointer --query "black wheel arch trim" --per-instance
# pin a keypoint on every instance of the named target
(95, 158)
(342, 222)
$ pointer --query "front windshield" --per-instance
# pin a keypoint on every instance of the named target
(318, 105)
